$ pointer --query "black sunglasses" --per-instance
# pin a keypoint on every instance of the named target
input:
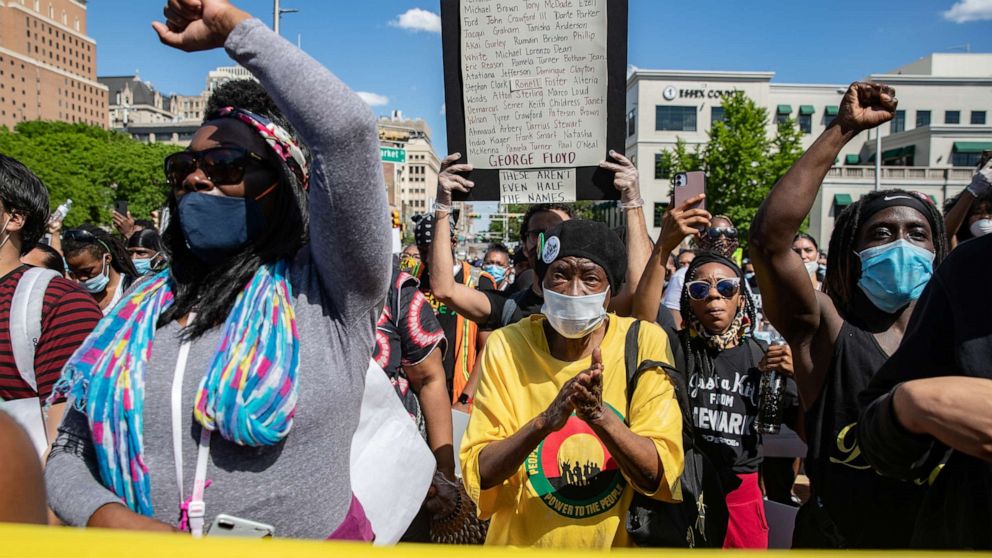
(716, 232)
(222, 165)
(699, 290)
(79, 235)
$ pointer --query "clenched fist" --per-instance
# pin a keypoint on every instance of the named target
(866, 105)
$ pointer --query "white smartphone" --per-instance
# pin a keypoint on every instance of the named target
(229, 526)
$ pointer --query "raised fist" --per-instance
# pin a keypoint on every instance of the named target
(193, 25)
(867, 105)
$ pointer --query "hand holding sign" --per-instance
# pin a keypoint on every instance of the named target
(449, 179)
(625, 178)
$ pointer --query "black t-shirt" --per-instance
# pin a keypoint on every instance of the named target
(523, 282)
(449, 318)
(950, 334)
(724, 409)
(523, 304)
(852, 495)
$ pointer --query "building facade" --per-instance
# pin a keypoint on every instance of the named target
(48, 64)
(137, 108)
(410, 185)
(939, 131)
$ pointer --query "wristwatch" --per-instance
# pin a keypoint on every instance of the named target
(465, 399)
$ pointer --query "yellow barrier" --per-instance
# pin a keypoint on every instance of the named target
(64, 542)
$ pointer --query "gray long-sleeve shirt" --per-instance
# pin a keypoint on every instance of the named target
(302, 485)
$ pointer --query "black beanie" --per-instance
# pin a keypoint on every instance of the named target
(585, 239)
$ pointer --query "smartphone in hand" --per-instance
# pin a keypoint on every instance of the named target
(120, 206)
(689, 185)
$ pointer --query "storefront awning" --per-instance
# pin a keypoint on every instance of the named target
(852, 159)
(806, 110)
(972, 146)
(898, 152)
(843, 200)
(784, 109)
(831, 110)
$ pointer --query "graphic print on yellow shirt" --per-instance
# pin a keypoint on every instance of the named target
(569, 491)
(574, 473)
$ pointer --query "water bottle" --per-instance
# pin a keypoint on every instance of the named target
(61, 212)
(771, 392)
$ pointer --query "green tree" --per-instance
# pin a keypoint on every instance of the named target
(741, 162)
(92, 166)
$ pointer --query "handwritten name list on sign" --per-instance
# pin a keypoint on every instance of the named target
(537, 186)
(534, 75)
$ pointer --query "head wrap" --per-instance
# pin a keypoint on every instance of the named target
(278, 138)
(591, 240)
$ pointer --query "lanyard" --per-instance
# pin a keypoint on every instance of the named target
(196, 509)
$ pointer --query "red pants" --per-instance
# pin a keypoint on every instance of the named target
(747, 527)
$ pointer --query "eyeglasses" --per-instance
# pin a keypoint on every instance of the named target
(699, 290)
(222, 165)
(716, 232)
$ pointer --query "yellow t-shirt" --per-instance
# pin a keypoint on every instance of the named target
(569, 492)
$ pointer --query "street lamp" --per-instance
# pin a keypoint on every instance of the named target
(277, 13)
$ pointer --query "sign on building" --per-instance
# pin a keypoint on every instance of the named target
(392, 154)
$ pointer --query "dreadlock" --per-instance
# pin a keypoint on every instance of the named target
(106, 244)
(698, 355)
(843, 263)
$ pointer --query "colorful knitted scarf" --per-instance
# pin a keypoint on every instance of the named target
(248, 393)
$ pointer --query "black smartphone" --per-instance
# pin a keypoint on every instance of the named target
(120, 206)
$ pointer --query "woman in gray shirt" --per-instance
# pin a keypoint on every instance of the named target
(255, 344)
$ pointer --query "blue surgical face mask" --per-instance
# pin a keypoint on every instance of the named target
(143, 265)
(498, 272)
(99, 283)
(894, 274)
(217, 226)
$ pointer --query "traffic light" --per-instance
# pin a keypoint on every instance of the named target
(396, 218)
(473, 215)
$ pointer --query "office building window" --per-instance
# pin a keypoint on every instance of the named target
(978, 117)
(806, 123)
(631, 123)
(922, 118)
(675, 119)
(660, 170)
(965, 159)
(659, 213)
(952, 117)
(898, 123)
(717, 115)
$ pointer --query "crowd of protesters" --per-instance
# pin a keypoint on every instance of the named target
(618, 389)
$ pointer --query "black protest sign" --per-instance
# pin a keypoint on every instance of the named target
(535, 95)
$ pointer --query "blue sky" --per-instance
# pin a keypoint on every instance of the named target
(374, 50)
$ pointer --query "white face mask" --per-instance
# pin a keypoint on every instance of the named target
(811, 267)
(574, 317)
(981, 227)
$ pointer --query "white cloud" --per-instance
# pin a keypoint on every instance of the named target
(443, 111)
(373, 99)
(969, 10)
(416, 19)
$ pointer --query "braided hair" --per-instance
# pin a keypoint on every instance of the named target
(120, 260)
(843, 263)
(698, 355)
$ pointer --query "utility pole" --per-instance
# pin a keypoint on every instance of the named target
(277, 13)
(878, 159)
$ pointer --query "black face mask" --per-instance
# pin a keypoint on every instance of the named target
(723, 246)
(217, 226)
